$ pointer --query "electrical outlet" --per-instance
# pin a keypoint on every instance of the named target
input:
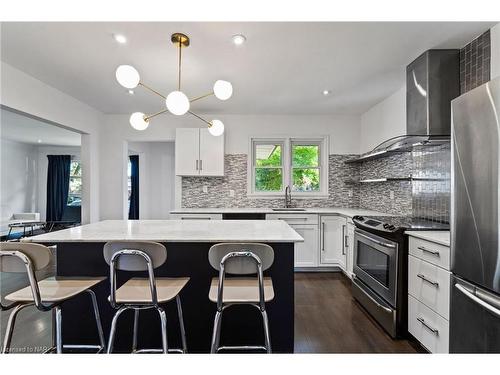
(231, 193)
(391, 194)
(205, 189)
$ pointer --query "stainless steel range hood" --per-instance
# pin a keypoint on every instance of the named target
(432, 82)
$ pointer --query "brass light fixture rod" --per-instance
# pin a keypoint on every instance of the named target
(181, 40)
(201, 97)
(152, 90)
(146, 118)
(201, 118)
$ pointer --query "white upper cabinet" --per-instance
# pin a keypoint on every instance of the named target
(198, 153)
(211, 154)
(333, 231)
(187, 152)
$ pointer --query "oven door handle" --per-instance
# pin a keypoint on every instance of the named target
(375, 301)
(384, 244)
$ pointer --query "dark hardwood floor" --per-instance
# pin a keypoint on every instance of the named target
(327, 320)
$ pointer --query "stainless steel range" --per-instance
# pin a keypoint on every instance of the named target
(380, 267)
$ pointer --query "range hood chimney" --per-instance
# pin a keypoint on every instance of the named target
(432, 82)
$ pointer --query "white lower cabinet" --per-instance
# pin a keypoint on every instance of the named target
(306, 253)
(429, 294)
(427, 326)
(333, 233)
(194, 216)
(350, 249)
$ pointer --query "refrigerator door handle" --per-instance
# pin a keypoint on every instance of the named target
(479, 301)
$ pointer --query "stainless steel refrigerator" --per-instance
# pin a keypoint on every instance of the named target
(475, 221)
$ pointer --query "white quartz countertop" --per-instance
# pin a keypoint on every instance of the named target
(176, 231)
(441, 237)
(348, 212)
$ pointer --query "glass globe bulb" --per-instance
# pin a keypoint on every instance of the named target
(138, 122)
(223, 89)
(177, 103)
(217, 128)
(127, 76)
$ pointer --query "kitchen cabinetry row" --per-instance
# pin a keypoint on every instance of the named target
(328, 239)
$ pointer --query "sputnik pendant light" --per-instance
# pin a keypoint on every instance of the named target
(177, 101)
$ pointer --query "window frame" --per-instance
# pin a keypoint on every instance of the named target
(280, 142)
(76, 160)
(287, 142)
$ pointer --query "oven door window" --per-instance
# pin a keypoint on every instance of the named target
(374, 262)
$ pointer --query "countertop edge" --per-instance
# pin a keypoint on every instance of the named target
(426, 235)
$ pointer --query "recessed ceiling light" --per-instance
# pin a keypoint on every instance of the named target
(131, 92)
(326, 92)
(39, 141)
(120, 38)
(239, 39)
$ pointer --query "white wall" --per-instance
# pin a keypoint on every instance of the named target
(18, 178)
(495, 51)
(383, 121)
(156, 178)
(43, 163)
(27, 94)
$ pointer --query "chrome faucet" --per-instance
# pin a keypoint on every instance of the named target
(288, 197)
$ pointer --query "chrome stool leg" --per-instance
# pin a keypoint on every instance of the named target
(181, 323)
(10, 327)
(216, 332)
(97, 320)
(266, 331)
(112, 332)
(163, 318)
(59, 345)
(136, 327)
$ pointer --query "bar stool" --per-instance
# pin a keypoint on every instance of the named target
(47, 294)
(240, 259)
(142, 293)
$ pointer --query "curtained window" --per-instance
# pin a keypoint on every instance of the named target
(58, 173)
(133, 210)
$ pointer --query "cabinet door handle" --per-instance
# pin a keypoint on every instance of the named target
(323, 236)
(433, 252)
(433, 330)
(435, 283)
(197, 164)
(345, 243)
(201, 165)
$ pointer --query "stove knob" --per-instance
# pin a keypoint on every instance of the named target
(386, 226)
(392, 227)
(360, 218)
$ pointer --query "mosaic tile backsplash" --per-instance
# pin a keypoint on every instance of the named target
(431, 195)
(475, 63)
(341, 193)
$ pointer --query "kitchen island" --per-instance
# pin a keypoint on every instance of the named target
(79, 253)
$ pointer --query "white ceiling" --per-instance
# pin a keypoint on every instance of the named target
(21, 128)
(281, 69)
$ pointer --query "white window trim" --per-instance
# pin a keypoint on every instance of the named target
(287, 141)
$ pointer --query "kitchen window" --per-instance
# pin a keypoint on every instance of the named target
(299, 163)
(75, 183)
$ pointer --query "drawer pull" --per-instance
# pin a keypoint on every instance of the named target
(433, 252)
(433, 330)
(435, 283)
(292, 218)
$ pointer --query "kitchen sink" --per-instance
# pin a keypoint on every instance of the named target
(288, 209)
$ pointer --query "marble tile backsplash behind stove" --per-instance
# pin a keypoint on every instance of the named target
(377, 195)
